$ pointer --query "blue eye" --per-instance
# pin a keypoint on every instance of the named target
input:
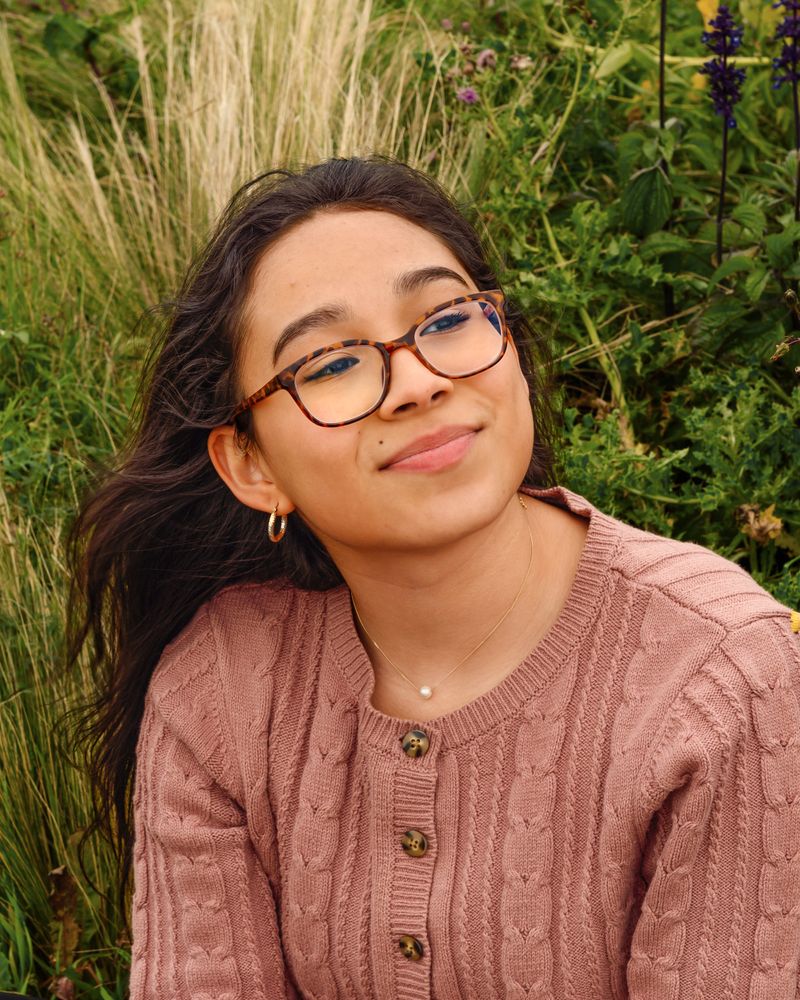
(446, 323)
(334, 367)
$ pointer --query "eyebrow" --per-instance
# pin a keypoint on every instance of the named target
(334, 312)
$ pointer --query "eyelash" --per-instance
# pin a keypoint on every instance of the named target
(460, 316)
(320, 372)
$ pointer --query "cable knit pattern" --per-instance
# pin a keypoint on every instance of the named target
(619, 817)
(316, 841)
(527, 958)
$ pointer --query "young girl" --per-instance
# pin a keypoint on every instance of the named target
(408, 718)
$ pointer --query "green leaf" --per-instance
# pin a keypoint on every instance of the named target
(64, 33)
(780, 251)
(705, 151)
(613, 60)
(660, 243)
(719, 314)
(755, 282)
(730, 266)
(751, 217)
(629, 151)
(647, 201)
(21, 335)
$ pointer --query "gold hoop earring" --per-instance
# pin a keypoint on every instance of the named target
(273, 517)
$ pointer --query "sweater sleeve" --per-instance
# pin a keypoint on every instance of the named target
(204, 920)
(720, 796)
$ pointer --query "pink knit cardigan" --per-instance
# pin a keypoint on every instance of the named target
(618, 817)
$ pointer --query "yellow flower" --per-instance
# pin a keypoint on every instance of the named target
(697, 84)
(795, 618)
(759, 524)
(708, 8)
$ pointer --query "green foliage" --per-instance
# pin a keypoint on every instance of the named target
(16, 947)
(680, 415)
(68, 56)
(600, 214)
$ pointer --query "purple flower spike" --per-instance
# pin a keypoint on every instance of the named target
(787, 65)
(468, 95)
(725, 78)
(727, 38)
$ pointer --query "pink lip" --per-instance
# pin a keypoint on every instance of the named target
(434, 451)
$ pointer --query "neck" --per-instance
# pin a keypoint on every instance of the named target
(427, 614)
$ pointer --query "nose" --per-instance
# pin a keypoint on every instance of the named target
(412, 386)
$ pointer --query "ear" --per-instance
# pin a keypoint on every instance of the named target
(246, 474)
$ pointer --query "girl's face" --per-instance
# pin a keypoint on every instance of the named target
(337, 478)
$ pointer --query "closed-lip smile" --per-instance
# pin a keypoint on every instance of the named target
(429, 441)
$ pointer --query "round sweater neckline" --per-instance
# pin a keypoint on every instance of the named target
(529, 677)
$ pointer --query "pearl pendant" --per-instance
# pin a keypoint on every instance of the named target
(425, 691)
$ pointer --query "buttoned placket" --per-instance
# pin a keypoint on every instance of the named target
(403, 790)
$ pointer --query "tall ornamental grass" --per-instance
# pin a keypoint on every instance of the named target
(101, 212)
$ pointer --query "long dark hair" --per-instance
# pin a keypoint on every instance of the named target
(159, 533)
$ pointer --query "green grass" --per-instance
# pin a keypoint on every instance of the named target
(102, 210)
(672, 423)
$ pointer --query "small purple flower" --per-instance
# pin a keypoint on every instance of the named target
(725, 78)
(465, 26)
(789, 31)
(488, 58)
(447, 24)
(468, 95)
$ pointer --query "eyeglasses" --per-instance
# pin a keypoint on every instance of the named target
(348, 380)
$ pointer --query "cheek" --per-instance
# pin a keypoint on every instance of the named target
(304, 459)
(514, 402)
(509, 385)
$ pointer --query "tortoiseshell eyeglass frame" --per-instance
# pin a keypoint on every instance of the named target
(286, 378)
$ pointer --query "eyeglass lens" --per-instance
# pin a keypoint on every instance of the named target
(347, 382)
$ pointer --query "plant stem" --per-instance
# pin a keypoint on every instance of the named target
(797, 151)
(795, 284)
(669, 297)
(662, 116)
(796, 121)
(722, 190)
(648, 51)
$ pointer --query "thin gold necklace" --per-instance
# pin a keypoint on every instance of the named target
(426, 691)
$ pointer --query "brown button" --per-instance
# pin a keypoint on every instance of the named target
(415, 743)
(414, 843)
(410, 947)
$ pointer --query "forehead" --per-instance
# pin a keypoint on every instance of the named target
(351, 255)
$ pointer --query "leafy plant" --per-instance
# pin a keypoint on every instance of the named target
(726, 79)
(595, 168)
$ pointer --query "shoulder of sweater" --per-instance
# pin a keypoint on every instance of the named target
(715, 668)
(694, 579)
(715, 648)
(709, 633)
(216, 678)
(232, 637)
(743, 702)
